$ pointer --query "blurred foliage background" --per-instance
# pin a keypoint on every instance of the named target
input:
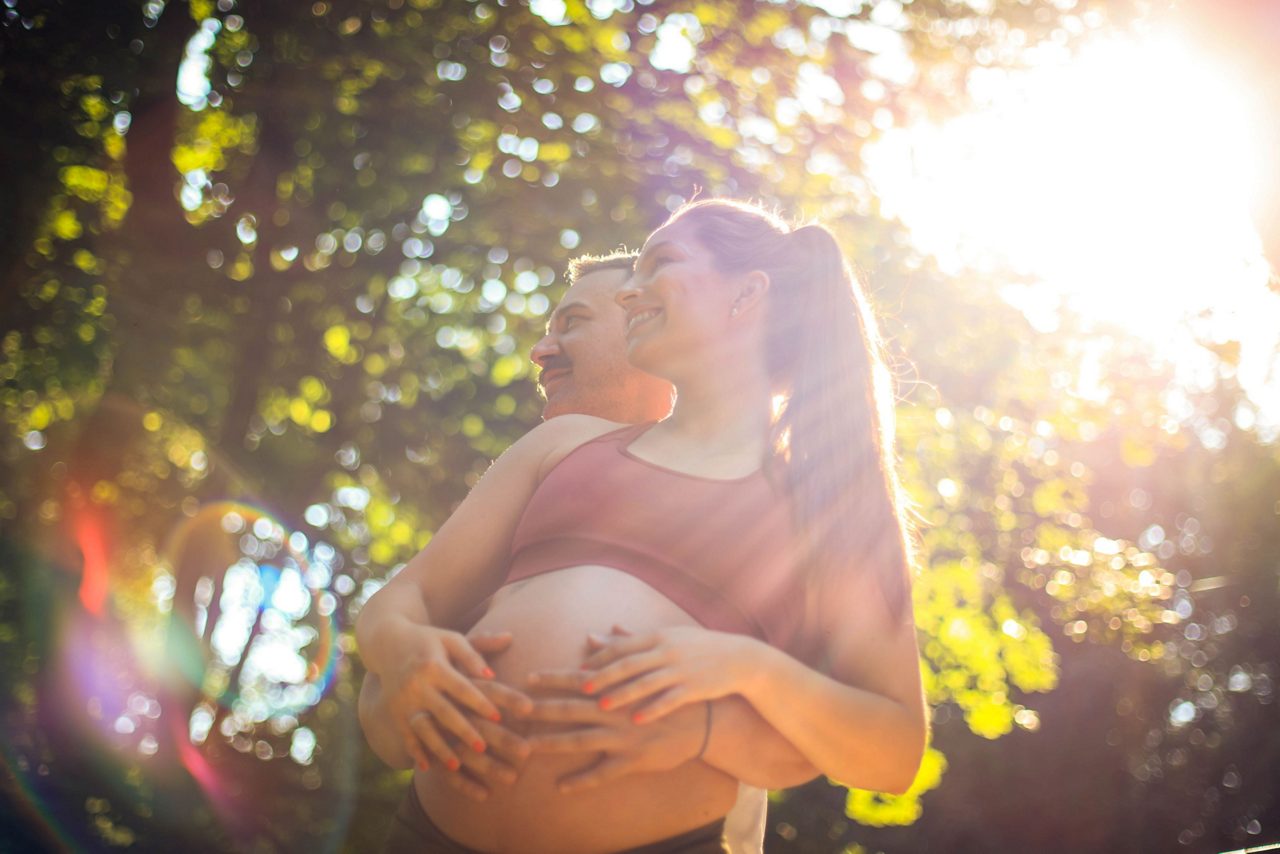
(271, 272)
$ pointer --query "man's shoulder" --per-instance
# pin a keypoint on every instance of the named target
(573, 425)
(555, 438)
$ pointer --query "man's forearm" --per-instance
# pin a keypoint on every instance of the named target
(745, 746)
(379, 731)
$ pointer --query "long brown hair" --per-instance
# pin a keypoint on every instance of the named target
(832, 446)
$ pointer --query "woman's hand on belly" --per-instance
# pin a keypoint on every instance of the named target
(499, 765)
(663, 671)
(549, 618)
(613, 745)
(438, 687)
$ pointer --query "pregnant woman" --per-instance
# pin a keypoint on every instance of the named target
(752, 544)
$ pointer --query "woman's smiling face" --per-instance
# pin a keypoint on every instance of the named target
(678, 302)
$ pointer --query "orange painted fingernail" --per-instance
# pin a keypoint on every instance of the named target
(454, 764)
(605, 703)
(496, 716)
(422, 765)
(488, 674)
(638, 717)
(588, 687)
(477, 746)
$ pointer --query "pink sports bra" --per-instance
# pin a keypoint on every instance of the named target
(722, 550)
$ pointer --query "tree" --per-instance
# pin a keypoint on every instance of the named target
(307, 285)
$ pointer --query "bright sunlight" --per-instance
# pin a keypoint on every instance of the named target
(1117, 184)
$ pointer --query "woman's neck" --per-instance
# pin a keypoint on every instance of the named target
(722, 412)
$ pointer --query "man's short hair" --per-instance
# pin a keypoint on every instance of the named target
(584, 265)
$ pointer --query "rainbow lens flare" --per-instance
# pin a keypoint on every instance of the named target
(196, 708)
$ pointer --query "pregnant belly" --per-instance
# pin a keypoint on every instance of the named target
(549, 617)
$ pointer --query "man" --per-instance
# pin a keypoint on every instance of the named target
(583, 356)
(584, 369)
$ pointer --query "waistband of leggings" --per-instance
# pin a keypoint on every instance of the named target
(695, 839)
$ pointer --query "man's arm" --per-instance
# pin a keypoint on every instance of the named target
(740, 743)
(378, 725)
(431, 675)
(744, 745)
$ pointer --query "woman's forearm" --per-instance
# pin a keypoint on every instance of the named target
(856, 737)
(744, 745)
(870, 738)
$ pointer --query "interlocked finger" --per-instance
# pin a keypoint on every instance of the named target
(463, 691)
(469, 788)
(503, 743)
(450, 720)
(557, 680)
(417, 749)
(425, 730)
(486, 767)
(577, 741)
(638, 689)
(505, 697)
(662, 705)
(619, 649)
(627, 668)
(567, 710)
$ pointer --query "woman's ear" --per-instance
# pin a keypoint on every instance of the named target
(752, 288)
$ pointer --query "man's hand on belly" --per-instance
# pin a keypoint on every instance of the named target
(616, 745)
(505, 754)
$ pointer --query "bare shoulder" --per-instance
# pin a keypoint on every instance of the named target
(468, 557)
(551, 441)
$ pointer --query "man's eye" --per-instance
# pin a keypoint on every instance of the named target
(569, 322)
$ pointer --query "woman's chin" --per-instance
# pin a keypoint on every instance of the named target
(645, 353)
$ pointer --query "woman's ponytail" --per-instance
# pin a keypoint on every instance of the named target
(834, 428)
(832, 431)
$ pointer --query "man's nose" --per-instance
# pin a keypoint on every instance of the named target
(548, 347)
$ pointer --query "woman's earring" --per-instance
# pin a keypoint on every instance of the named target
(733, 312)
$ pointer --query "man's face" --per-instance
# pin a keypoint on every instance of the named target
(583, 358)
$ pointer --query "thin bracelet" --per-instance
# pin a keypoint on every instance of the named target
(706, 736)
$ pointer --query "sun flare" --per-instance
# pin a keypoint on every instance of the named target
(1118, 183)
